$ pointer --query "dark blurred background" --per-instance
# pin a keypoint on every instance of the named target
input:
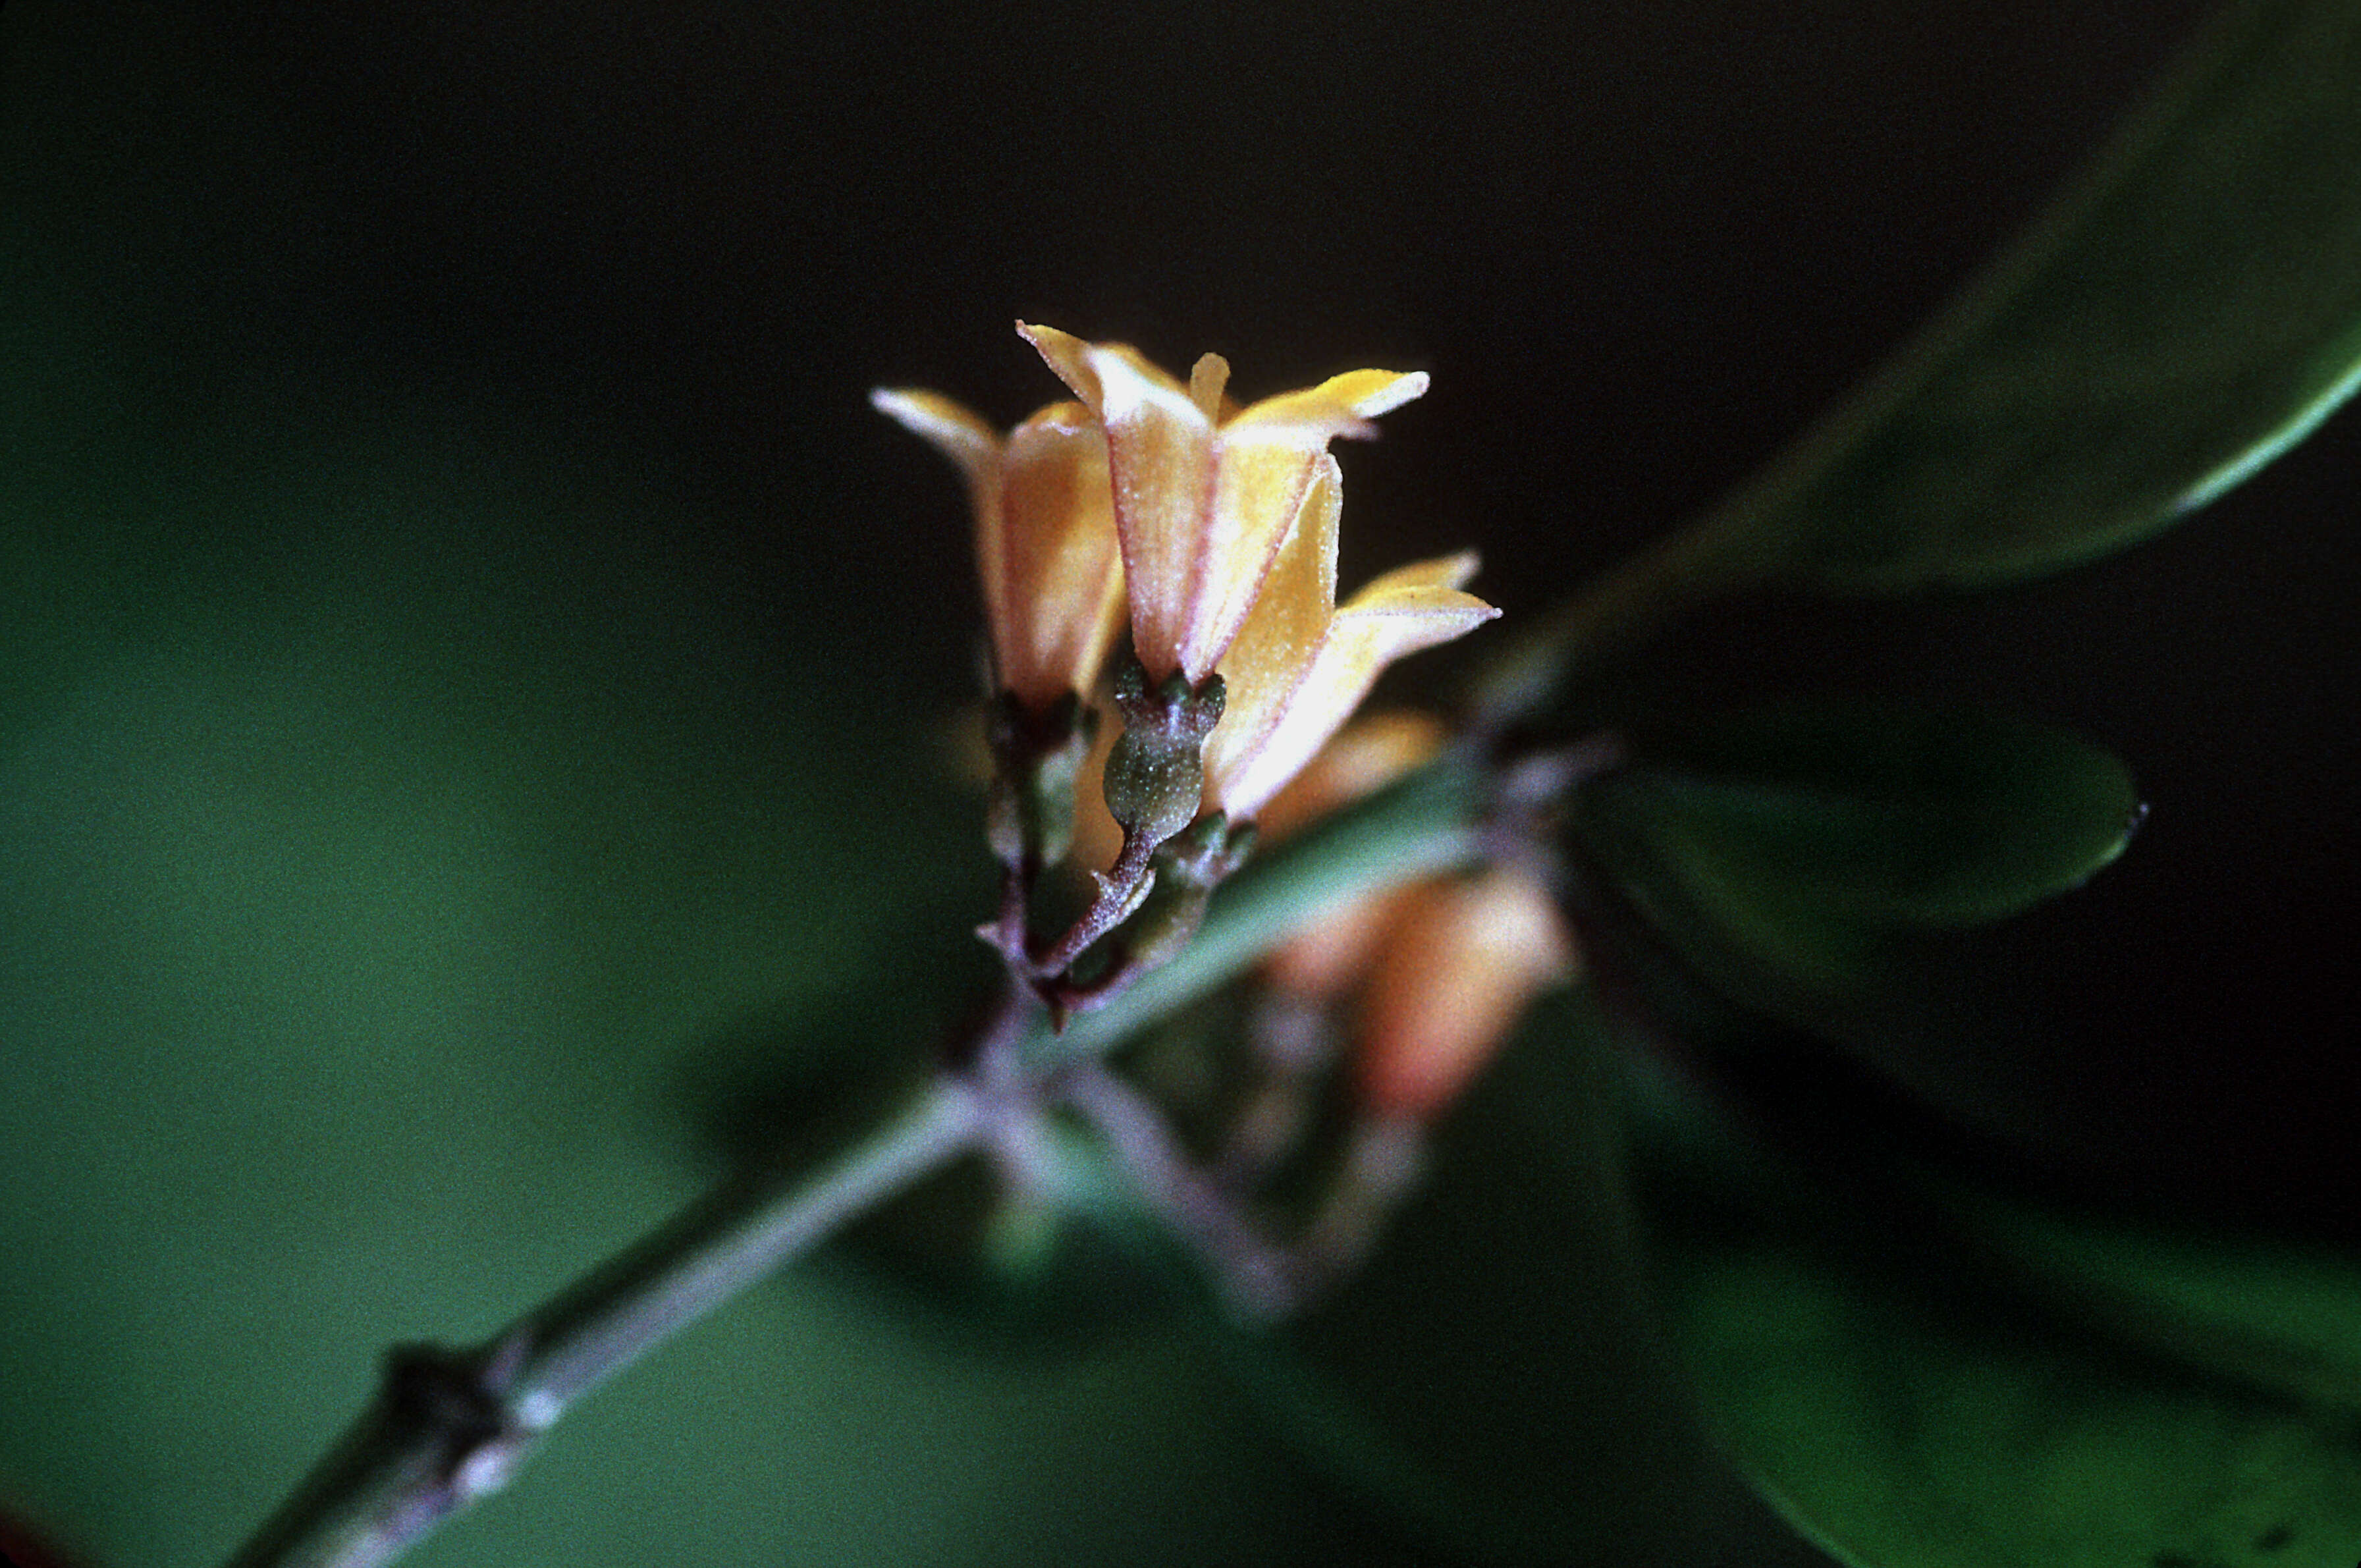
(466, 646)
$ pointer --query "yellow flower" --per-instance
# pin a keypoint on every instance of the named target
(1301, 662)
(1045, 539)
(1205, 491)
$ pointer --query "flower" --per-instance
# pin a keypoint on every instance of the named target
(1301, 662)
(1205, 491)
(1453, 974)
(1045, 539)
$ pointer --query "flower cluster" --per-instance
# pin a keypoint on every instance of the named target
(1215, 526)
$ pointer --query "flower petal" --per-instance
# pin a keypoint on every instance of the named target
(1281, 640)
(1341, 405)
(1442, 572)
(962, 435)
(952, 428)
(1264, 455)
(1053, 574)
(1160, 451)
(1402, 612)
(1460, 965)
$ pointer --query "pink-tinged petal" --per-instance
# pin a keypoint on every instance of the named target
(1281, 640)
(1442, 572)
(959, 433)
(1068, 357)
(1265, 456)
(1341, 405)
(1056, 587)
(1077, 362)
(1160, 451)
(1411, 620)
(1045, 541)
(1259, 488)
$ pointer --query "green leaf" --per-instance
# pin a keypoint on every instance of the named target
(1878, 814)
(2187, 313)
(1906, 1409)
(1790, 858)
(2282, 1313)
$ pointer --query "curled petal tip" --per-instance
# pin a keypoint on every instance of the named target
(1441, 571)
(947, 424)
(903, 407)
(1068, 359)
(1046, 338)
(1391, 396)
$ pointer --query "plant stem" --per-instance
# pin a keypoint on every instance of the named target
(1119, 892)
(450, 1428)
(1259, 1279)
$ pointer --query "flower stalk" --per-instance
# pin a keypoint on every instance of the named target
(450, 1428)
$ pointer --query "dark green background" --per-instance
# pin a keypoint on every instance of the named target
(473, 672)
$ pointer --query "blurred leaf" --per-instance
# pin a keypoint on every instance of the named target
(1787, 856)
(1493, 1371)
(2187, 313)
(1880, 815)
(2280, 1312)
(1906, 1409)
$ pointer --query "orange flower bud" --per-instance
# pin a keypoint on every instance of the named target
(1452, 977)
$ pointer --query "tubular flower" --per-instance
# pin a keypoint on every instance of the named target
(1205, 490)
(1302, 663)
(1045, 539)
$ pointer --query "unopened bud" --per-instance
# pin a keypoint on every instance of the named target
(1452, 979)
(1156, 775)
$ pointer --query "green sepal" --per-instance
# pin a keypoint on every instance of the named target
(1029, 818)
(1156, 774)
